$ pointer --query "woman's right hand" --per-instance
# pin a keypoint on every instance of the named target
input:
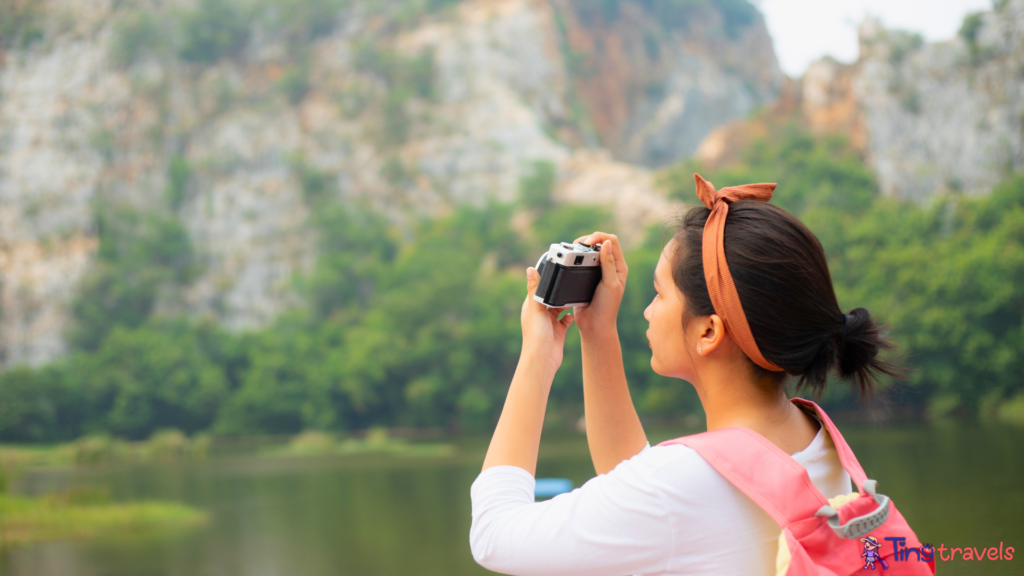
(604, 308)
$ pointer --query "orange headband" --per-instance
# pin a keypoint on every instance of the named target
(721, 287)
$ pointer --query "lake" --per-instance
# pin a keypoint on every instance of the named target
(957, 484)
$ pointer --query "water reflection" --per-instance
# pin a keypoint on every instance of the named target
(317, 516)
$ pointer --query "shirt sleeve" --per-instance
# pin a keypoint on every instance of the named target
(614, 524)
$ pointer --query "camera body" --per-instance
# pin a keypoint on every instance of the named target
(569, 274)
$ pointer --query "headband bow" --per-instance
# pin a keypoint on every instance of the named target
(721, 287)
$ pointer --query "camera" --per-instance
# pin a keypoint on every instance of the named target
(569, 274)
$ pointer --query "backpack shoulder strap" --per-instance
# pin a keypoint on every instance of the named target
(759, 469)
(846, 456)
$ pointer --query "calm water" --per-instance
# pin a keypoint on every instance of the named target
(957, 485)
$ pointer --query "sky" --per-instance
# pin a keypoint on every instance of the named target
(805, 30)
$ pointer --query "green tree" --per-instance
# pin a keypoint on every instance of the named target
(43, 404)
(152, 377)
(278, 392)
(138, 253)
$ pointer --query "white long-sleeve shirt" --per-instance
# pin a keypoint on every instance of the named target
(663, 511)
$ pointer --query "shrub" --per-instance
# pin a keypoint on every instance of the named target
(537, 186)
(394, 171)
(736, 15)
(312, 443)
(305, 20)
(179, 171)
(315, 184)
(20, 22)
(168, 445)
(404, 78)
(295, 83)
(215, 29)
(135, 36)
(97, 449)
(970, 27)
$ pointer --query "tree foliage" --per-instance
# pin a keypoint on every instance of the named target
(138, 253)
(421, 327)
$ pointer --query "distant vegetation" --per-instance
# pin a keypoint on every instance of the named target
(735, 14)
(85, 513)
(377, 441)
(969, 30)
(423, 329)
(215, 29)
(212, 30)
(139, 252)
(20, 23)
(403, 78)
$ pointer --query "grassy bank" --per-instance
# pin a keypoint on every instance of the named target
(377, 441)
(171, 446)
(26, 520)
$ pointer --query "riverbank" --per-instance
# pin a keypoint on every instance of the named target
(172, 446)
(83, 514)
(318, 513)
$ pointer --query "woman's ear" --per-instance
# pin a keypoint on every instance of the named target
(711, 334)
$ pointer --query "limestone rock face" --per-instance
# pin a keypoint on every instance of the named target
(592, 177)
(55, 107)
(81, 127)
(501, 80)
(654, 88)
(948, 115)
(248, 217)
(928, 118)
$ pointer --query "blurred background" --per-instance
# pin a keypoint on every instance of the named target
(261, 261)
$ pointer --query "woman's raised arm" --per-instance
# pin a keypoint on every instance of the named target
(517, 436)
(614, 432)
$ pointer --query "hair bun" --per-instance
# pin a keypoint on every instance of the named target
(860, 344)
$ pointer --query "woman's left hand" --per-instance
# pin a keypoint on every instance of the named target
(543, 332)
(601, 314)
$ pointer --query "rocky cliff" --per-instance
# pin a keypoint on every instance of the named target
(929, 118)
(228, 116)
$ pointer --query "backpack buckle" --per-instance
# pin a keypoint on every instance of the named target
(860, 525)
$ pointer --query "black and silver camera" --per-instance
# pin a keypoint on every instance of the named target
(569, 274)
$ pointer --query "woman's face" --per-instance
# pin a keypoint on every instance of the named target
(670, 355)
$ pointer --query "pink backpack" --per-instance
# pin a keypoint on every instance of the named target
(820, 536)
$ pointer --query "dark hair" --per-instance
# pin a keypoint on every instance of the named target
(782, 279)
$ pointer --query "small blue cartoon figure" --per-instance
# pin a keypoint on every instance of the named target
(870, 554)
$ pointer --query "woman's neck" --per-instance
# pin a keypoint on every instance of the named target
(733, 396)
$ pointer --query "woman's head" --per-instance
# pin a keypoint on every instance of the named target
(782, 278)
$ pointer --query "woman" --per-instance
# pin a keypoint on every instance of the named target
(744, 301)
